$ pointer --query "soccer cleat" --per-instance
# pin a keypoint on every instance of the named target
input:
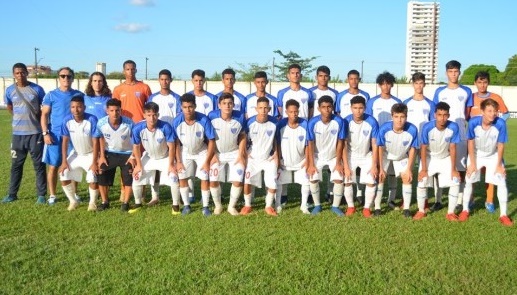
(153, 202)
(233, 211)
(505, 220)
(436, 207)
(278, 209)
(406, 213)
(458, 209)
(270, 211)
(175, 210)
(206, 212)
(124, 207)
(305, 210)
(451, 217)
(52, 200)
(92, 207)
(464, 216)
(419, 215)
(490, 207)
(245, 210)
(316, 210)
(367, 213)
(41, 200)
(337, 211)
(283, 200)
(186, 210)
(218, 210)
(350, 211)
(9, 199)
(392, 205)
(73, 206)
(377, 212)
(77, 198)
(135, 209)
(104, 206)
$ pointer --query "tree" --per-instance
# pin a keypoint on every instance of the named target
(467, 76)
(293, 58)
(247, 72)
(82, 75)
(509, 76)
(402, 80)
(116, 76)
(335, 79)
(215, 77)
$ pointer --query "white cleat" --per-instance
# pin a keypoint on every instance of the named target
(73, 206)
(233, 211)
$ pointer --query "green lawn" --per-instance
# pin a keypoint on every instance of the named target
(48, 250)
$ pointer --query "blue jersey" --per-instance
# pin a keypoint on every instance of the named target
(80, 133)
(397, 145)
(292, 141)
(303, 96)
(96, 105)
(193, 137)
(169, 105)
(438, 141)
(117, 140)
(343, 102)
(485, 141)
(239, 101)
(59, 103)
(326, 136)
(360, 135)
(227, 132)
(26, 103)
(380, 108)
(251, 103)
(154, 142)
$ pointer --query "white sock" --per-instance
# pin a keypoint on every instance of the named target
(378, 196)
(502, 196)
(184, 191)
(466, 196)
(69, 192)
(94, 193)
(349, 196)
(175, 193)
(421, 195)
(155, 191)
(247, 200)
(235, 193)
(453, 198)
(305, 196)
(205, 195)
(338, 194)
(369, 194)
(269, 199)
(137, 193)
(315, 191)
(392, 184)
(216, 196)
(407, 190)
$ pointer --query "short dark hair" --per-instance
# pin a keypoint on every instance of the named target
(263, 99)
(399, 108)
(292, 102)
(260, 74)
(228, 71)
(114, 103)
(79, 97)
(358, 99)
(129, 62)
(483, 75)
(152, 106)
(442, 105)
(68, 69)
(189, 98)
(385, 77)
(325, 98)
(323, 69)
(199, 73)
(353, 72)
(165, 72)
(453, 64)
(20, 65)
(294, 66)
(418, 76)
(489, 102)
(226, 95)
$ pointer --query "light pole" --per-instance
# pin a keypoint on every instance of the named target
(362, 63)
(36, 62)
(146, 59)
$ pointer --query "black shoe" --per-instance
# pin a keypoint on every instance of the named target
(310, 200)
(436, 207)
(392, 205)
(377, 212)
(283, 200)
(406, 213)
(125, 207)
(104, 206)
(360, 200)
(458, 209)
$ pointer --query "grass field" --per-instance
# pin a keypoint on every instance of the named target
(48, 250)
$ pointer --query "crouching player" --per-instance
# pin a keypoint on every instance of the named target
(438, 159)
(293, 152)
(78, 128)
(195, 135)
(158, 140)
(262, 156)
(397, 141)
(486, 138)
(362, 151)
(326, 136)
(230, 143)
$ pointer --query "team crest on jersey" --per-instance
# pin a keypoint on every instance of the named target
(137, 94)
(426, 112)
(206, 105)
(160, 139)
(405, 142)
(366, 132)
(233, 130)
(333, 131)
(199, 133)
(86, 131)
(304, 100)
(461, 98)
(124, 137)
(237, 106)
(171, 105)
(447, 139)
(301, 138)
(269, 132)
(240, 171)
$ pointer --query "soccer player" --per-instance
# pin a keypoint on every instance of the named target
(322, 87)
(196, 137)
(158, 139)
(132, 93)
(168, 102)
(482, 80)
(459, 98)
(115, 148)
(295, 91)
(23, 100)
(260, 82)
(397, 141)
(230, 142)
(326, 135)
(78, 128)
(228, 79)
(205, 101)
(97, 94)
(362, 151)
(343, 99)
(262, 156)
(487, 136)
(293, 154)
(438, 159)
(55, 106)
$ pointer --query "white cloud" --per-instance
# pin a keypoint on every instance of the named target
(132, 28)
(142, 2)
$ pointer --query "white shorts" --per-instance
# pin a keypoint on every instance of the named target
(227, 162)
(491, 176)
(461, 156)
(149, 168)
(253, 175)
(193, 164)
(365, 164)
(287, 176)
(78, 164)
(398, 166)
(443, 168)
(330, 164)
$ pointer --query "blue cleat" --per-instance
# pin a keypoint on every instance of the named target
(316, 210)
(9, 199)
(337, 211)
(41, 200)
(206, 212)
(186, 210)
(490, 207)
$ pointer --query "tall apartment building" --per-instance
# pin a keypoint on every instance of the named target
(423, 22)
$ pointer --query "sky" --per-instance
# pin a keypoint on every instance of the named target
(185, 35)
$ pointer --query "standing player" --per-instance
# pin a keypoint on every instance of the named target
(195, 135)
(23, 100)
(228, 79)
(205, 101)
(230, 142)
(397, 141)
(97, 94)
(262, 156)
(293, 154)
(260, 82)
(343, 99)
(322, 87)
(168, 102)
(114, 133)
(438, 159)
(158, 140)
(326, 136)
(459, 98)
(78, 128)
(486, 138)
(295, 91)
(55, 106)
(362, 151)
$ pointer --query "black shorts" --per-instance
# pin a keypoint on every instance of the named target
(107, 175)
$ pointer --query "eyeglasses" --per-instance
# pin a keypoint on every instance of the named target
(65, 76)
